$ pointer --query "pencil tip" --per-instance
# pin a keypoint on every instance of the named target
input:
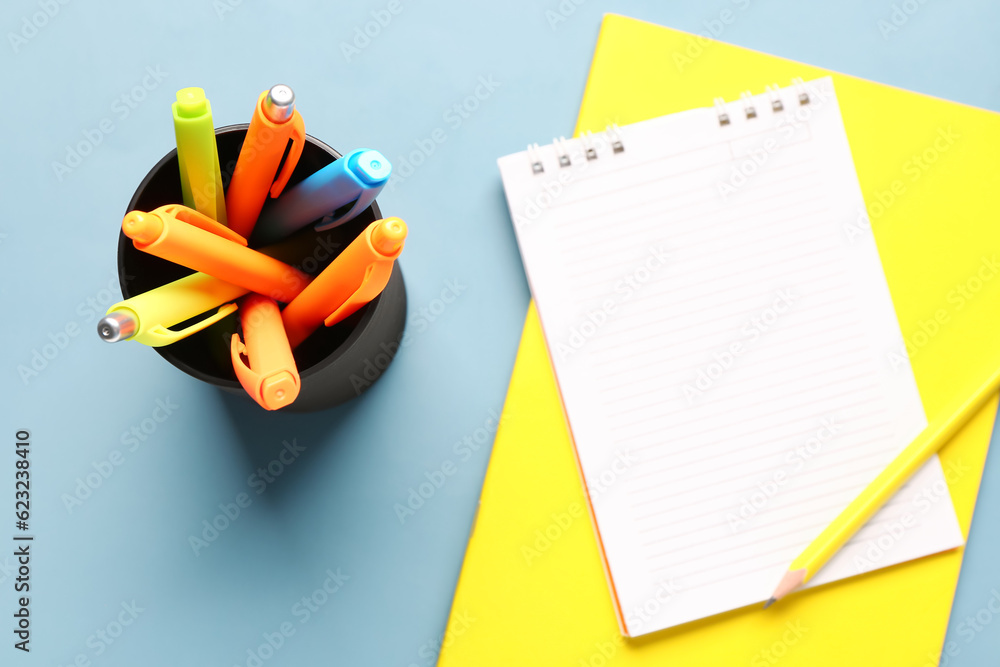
(769, 602)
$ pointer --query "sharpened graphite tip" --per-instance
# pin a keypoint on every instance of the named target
(279, 104)
(769, 602)
(115, 327)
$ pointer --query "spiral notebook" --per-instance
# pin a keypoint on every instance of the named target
(718, 320)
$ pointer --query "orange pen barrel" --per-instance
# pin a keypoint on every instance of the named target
(184, 236)
(275, 122)
(355, 277)
(269, 374)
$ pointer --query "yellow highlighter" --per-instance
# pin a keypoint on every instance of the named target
(146, 318)
(198, 155)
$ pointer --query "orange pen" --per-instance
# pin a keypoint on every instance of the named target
(355, 277)
(264, 363)
(275, 122)
(184, 236)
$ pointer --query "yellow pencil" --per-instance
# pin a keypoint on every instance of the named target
(876, 494)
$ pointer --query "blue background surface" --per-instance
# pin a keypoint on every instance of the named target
(332, 508)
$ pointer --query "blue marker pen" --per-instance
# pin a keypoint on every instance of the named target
(342, 189)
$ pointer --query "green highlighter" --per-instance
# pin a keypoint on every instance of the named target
(198, 155)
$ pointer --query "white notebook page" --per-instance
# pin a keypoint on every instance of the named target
(718, 320)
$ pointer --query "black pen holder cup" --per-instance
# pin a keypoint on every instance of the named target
(336, 363)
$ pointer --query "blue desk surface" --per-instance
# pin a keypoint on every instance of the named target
(131, 459)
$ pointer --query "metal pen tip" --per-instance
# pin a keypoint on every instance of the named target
(279, 103)
(115, 327)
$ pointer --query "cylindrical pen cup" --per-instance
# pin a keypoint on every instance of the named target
(336, 363)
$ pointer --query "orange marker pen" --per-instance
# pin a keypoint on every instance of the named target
(184, 236)
(355, 277)
(264, 363)
(275, 122)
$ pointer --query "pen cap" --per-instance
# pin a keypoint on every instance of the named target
(278, 103)
(191, 103)
(388, 237)
(335, 365)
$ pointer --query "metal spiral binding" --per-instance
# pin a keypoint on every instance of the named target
(777, 106)
(535, 155)
(562, 149)
(776, 103)
(720, 111)
(748, 107)
(590, 143)
(614, 132)
(800, 90)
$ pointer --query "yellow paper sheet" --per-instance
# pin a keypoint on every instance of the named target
(532, 589)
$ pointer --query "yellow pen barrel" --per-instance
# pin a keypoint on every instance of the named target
(176, 302)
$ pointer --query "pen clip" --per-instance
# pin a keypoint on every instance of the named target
(201, 221)
(271, 391)
(245, 374)
(160, 335)
(338, 217)
(363, 173)
(358, 298)
(297, 136)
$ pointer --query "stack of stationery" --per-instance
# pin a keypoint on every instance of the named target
(209, 234)
(742, 345)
